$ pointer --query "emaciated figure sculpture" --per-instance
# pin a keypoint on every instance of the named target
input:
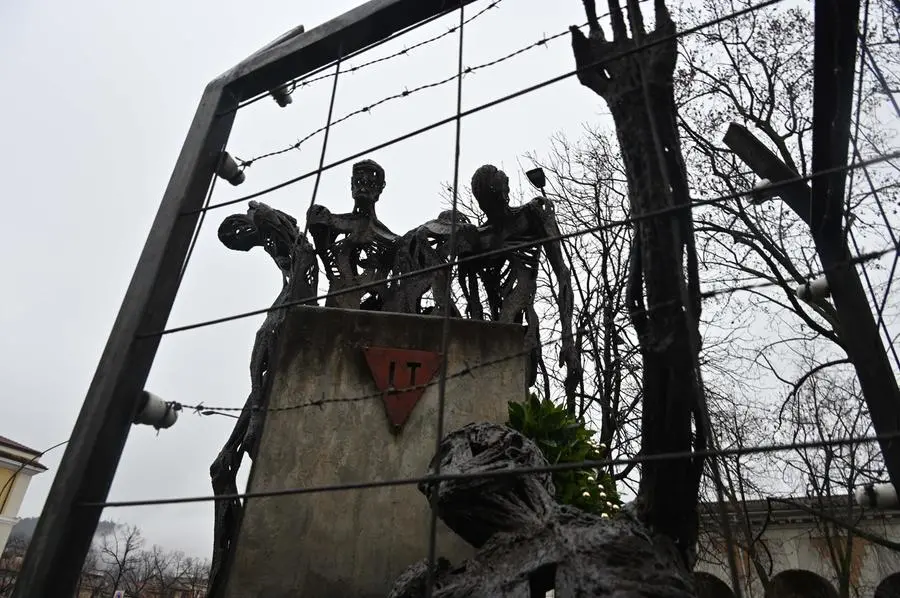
(528, 543)
(510, 278)
(277, 233)
(355, 248)
(428, 246)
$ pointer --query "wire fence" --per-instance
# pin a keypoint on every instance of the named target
(408, 92)
(314, 77)
(510, 472)
(615, 56)
(862, 259)
(468, 370)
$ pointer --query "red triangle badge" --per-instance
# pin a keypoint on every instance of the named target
(402, 375)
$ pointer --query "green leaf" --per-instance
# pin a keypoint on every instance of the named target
(516, 415)
(564, 439)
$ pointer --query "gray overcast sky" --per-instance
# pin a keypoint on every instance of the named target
(99, 96)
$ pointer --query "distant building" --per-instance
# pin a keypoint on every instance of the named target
(17, 464)
(798, 551)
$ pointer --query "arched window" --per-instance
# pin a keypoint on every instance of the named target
(889, 587)
(710, 586)
(796, 583)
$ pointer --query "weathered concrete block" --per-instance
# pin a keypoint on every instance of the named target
(356, 543)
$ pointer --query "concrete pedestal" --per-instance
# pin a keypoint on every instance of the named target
(355, 543)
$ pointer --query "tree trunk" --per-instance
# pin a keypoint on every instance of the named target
(637, 84)
(669, 373)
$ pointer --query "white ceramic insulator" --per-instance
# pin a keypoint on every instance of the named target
(281, 96)
(815, 289)
(878, 496)
(156, 412)
(230, 171)
(761, 191)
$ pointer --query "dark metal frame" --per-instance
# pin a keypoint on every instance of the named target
(820, 206)
(53, 563)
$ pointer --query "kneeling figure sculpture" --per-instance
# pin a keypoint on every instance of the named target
(528, 543)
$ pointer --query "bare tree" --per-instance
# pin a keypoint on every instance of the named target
(196, 576)
(740, 421)
(586, 181)
(757, 70)
(830, 406)
(176, 572)
(118, 561)
(92, 584)
(121, 561)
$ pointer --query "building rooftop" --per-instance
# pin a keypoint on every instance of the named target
(6, 442)
(10, 448)
(791, 510)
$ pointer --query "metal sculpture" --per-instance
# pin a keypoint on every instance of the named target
(509, 277)
(356, 248)
(278, 234)
(428, 247)
(663, 293)
(527, 543)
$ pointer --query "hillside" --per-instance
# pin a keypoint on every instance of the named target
(24, 529)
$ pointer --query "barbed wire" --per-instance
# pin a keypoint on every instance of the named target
(514, 471)
(636, 49)
(669, 211)
(311, 78)
(365, 109)
(415, 46)
(409, 92)
(468, 370)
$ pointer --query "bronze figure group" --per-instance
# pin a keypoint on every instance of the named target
(499, 260)
(369, 267)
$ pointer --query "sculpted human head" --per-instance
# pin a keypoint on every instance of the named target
(490, 186)
(366, 184)
(262, 226)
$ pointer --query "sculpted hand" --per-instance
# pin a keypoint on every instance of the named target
(604, 70)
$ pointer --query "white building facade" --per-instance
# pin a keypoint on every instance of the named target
(18, 464)
(799, 550)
